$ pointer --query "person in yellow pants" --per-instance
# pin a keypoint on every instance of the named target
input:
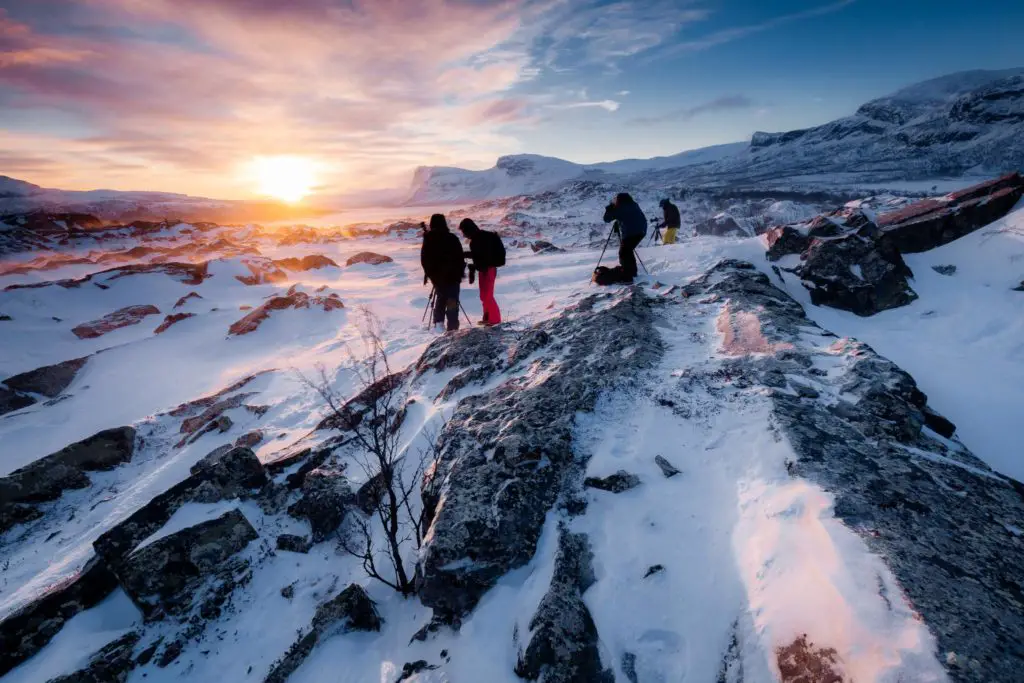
(672, 221)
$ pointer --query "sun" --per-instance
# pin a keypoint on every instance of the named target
(288, 178)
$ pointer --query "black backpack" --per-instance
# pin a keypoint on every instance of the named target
(610, 276)
(498, 249)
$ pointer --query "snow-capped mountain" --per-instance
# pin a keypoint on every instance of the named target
(961, 125)
(529, 173)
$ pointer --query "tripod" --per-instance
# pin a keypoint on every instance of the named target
(611, 232)
(656, 237)
(432, 299)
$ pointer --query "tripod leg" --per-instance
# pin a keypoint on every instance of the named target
(430, 304)
(611, 231)
(641, 262)
(468, 321)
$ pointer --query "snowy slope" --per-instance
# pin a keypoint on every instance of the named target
(961, 125)
(12, 187)
(758, 554)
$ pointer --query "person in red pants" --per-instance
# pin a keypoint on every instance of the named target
(488, 254)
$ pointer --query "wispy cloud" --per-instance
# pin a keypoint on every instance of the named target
(595, 32)
(607, 105)
(730, 34)
(726, 103)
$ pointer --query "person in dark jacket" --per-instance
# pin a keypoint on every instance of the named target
(672, 221)
(444, 265)
(631, 224)
(487, 252)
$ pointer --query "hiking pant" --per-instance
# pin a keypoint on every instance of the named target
(627, 259)
(446, 305)
(669, 236)
(492, 314)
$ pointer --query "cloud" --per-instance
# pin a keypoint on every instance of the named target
(192, 89)
(726, 103)
(189, 90)
(607, 105)
(594, 32)
(730, 34)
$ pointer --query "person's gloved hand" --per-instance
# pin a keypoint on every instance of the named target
(472, 275)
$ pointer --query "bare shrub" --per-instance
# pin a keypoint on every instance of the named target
(394, 515)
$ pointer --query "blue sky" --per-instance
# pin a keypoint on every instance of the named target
(185, 95)
(799, 63)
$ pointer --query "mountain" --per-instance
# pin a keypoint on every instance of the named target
(13, 188)
(111, 206)
(529, 173)
(960, 125)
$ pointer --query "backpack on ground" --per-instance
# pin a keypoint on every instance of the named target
(610, 276)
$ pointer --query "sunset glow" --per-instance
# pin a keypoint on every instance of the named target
(288, 178)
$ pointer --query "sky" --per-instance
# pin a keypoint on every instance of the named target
(192, 96)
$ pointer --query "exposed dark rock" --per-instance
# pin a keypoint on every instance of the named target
(410, 669)
(654, 569)
(667, 468)
(311, 262)
(563, 645)
(124, 317)
(929, 224)
(293, 299)
(802, 661)
(351, 610)
(352, 413)
(628, 665)
(172, 319)
(784, 240)
(369, 495)
(185, 299)
(823, 226)
(262, 271)
(504, 453)
(163, 577)
(1020, 287)
(368, 257)
(314, 460)
(13, 400)
(112, 664)
(932, 509)
(542, 247)
(856, 274)
(223, 474)
(229, 472)
(170, 653)
(187, 273)
(326, 499)
(47, 478)
(5, 318)
(938, 424)
(293, 543)
(146, 656)
(616, 483)
(29, 629)
(249, 439)
(288, 592)
(50, 380)
(945, 270)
